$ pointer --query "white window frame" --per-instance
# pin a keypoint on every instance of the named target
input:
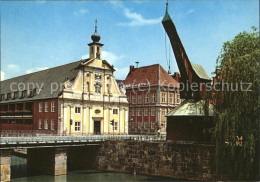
(164, 112)
(152, 111)
(40, 107)
(163, 97)
(171, 98)
(46, 108)
(77, 126)
(153, 98)
(116, 126)
(139, 112)
(140, 98)
(133, 112)
(52, 106)
(77, 110)
(52, 124)
(146, 98)
(133, 99)
(146, 112)
(46, 124)
(40, 124)
(152, 125)
(178, 98)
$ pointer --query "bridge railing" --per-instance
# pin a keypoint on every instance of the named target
(70, 139)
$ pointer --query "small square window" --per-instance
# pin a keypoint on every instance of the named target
(115, 111)
(2, 96)
(24, 93)
(8, 96)
(77, 126)
(77, 110)
(16, 95)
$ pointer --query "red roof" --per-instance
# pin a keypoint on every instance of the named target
(149, 75)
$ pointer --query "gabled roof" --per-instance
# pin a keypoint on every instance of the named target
(150, 75)
(190, 107)
(49, 77)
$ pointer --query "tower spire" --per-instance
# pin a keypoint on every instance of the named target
(167, 6)
(96, 25)
(95, 36)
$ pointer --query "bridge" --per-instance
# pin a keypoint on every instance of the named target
(49, 153)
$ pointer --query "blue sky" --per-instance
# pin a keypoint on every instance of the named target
(37, 35)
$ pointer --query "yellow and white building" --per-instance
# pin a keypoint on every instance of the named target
(93, 99)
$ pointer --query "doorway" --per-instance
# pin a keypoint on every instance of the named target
(97, 128)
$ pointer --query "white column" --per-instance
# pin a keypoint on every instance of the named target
(105, 84)
(84, 121)
(105, 121)
(90, 82)
(72, 109)
(110, 84)
(126, 121)
(90, 121)
(120, 119)
(65, 119)
(110, 118)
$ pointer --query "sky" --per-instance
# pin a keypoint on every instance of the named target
(37, 35)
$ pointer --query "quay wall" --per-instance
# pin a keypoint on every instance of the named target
(169, 159)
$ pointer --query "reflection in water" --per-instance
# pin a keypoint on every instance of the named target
(19, 173)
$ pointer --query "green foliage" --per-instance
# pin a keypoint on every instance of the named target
(238, 111)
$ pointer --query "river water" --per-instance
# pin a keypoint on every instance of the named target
(19, 173)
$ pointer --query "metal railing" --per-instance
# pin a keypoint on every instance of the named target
(77, 139)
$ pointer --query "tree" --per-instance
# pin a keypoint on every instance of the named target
(237, 113)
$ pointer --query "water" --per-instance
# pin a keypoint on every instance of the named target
(19, 173)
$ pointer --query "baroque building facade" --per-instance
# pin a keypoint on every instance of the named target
(80, 98)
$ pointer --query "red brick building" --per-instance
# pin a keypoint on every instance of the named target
(152, 93)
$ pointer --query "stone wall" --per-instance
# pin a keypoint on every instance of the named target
(5, 162)
(182, 161)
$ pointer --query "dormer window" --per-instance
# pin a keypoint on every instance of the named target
(24, 93)
(8, 96)
(33, 92)
(16, 95)
(2, 96)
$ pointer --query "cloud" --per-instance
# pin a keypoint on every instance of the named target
(121, 73)
(137, 19)
(2, 76)
(80, 12)
(106, 55)
(190, 11)
(13, 67)
(85, 56)
(35, 70)
(110, 57)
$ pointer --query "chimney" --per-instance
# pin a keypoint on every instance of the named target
(176, 76)
(132, 67)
